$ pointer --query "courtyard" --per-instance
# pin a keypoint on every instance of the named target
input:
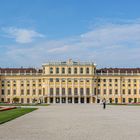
(75, 122)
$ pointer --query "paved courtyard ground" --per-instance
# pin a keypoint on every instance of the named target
(75, 122)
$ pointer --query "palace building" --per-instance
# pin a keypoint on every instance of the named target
(70, 82)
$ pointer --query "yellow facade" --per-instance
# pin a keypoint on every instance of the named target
(70, 82)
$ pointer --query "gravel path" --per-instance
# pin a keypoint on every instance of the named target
(75, 122)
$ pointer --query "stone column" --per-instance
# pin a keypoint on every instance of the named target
(85, 99)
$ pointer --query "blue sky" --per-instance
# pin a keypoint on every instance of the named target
(33, 32)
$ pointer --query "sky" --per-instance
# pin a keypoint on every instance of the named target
(33, 32)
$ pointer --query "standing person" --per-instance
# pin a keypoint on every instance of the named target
(104, 103)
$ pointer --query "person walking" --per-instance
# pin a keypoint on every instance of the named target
(104, 103)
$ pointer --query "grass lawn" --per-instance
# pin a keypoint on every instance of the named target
(8, 115)
(4, 104)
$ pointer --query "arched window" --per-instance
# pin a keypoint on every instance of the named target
(51, 70)
(75, 70)
(63, 70)
(69, 70)
(69, 91)
(63, 91)
(75, 91)
(81, 70)
(87, 70)
(81, 91)
(57, 70)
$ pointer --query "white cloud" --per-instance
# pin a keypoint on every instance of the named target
(22, 35)
(107, 45)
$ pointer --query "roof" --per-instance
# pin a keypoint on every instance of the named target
(118, 70)
(20, 70)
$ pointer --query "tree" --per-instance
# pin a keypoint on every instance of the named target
(34, 100)
(15, 100)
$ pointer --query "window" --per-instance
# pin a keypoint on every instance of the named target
(135, 100)
(81, 70)
(63, 70)
(135, 91)
(40, 91)
(28, 100)
(129, 91)
(57, 79)
(22, 100)
(130, 100)
(75, 70)
(123, 91)
(98, 91)
(51, 91)
(104, 80)
(57, 70)
(81, 91)
(75, 80)
(8, 91)
(75, 91)
(28, 92)
(14, 85)
(69, 80)
(123, 100)
(129, 80)
(104, 91)
(87, 80)
(63, 80)
(87, 91)
(63, 91)
(116, 100)
(2, 85)
(87, 70)
(57, 91)
(69, 91)
(110, 91)
(110, 100)
(34, 91)
(2, 99)
(51, 79)
(51, 70)
(116, 80)
(2, 92)
(22, 91)
(110, 80)
(14, 91)
(69, 70)
(8, 100)
(116, 91)
(134, 80)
